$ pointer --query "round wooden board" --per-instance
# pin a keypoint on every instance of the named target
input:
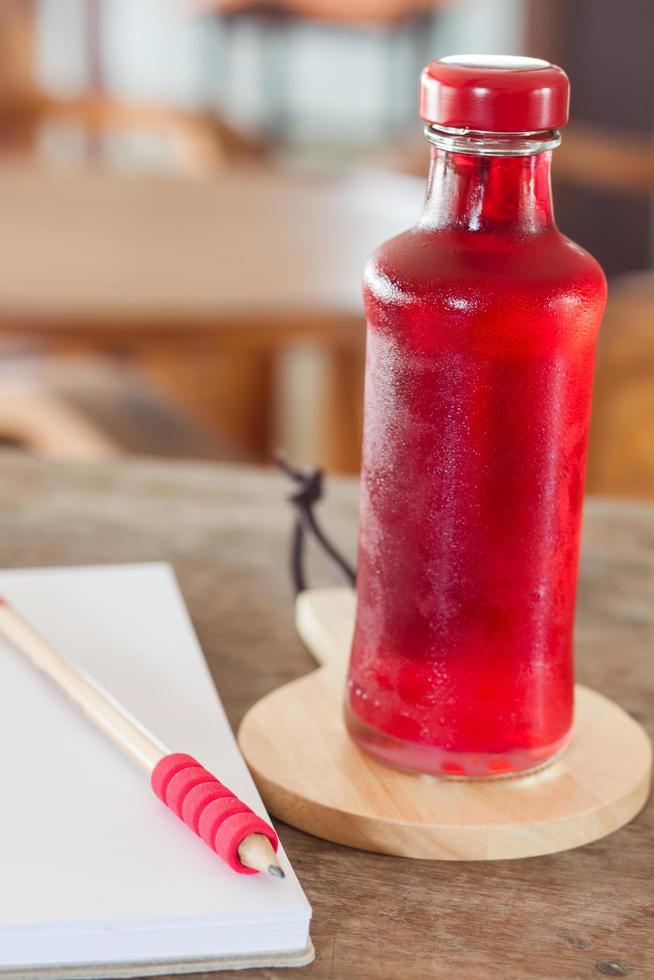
(312, 776)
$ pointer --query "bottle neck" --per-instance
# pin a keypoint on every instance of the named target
(479, 192)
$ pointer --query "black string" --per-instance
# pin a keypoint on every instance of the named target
(309, 491)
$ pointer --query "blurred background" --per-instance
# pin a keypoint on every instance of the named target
(189, 189)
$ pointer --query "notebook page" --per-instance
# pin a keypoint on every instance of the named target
(85, 842)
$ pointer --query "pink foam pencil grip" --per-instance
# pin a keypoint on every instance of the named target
(211, 810)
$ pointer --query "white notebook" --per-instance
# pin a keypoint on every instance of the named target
(98, 877)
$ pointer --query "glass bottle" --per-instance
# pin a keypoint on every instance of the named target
(482, 323)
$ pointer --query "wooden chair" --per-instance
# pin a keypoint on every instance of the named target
(396, 22)
(361, 12)
(52, 408)
(197, 143)
(621, 461)
(90, 408)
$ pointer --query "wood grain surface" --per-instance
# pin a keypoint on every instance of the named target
(580, 914)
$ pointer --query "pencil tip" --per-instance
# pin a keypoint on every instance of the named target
(256, 852)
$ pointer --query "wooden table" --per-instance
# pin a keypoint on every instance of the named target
(204, 284)
(133, 260)
(581, 914)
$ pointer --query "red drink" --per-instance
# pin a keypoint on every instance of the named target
(482, 324)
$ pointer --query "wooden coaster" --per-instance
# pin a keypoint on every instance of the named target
(312, 776)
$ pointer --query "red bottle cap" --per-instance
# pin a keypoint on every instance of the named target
(494, 94)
